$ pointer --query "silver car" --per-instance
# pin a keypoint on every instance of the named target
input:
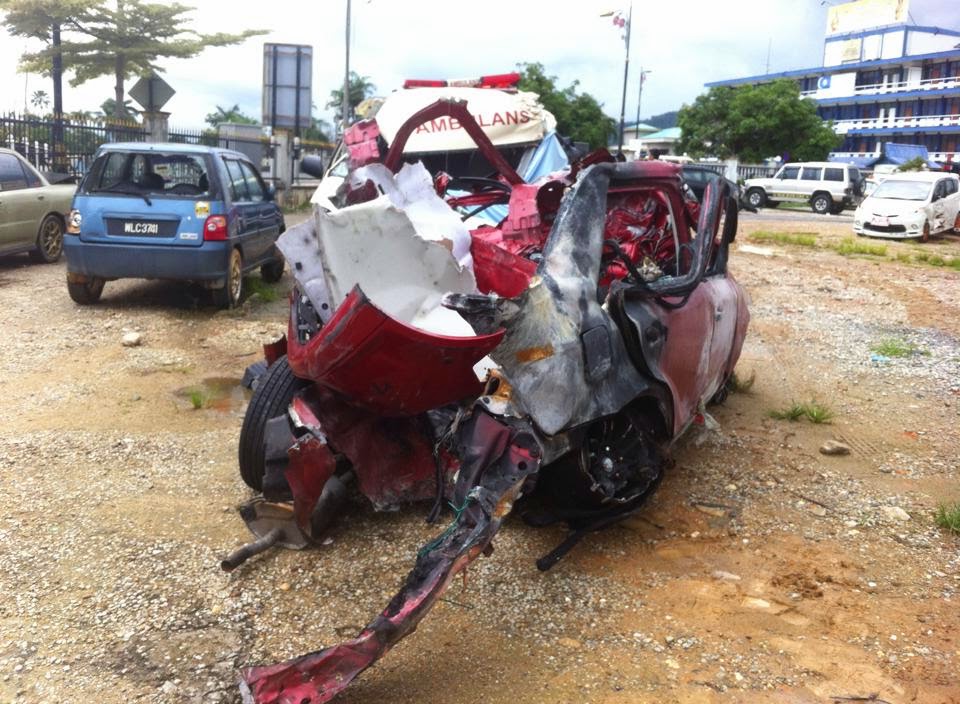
(32, 211)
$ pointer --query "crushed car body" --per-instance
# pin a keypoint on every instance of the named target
(545, 360)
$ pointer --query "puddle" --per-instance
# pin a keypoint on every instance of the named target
(219, 393)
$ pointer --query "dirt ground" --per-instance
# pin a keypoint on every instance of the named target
(762, 570)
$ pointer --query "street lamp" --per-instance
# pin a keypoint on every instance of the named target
(643, 78)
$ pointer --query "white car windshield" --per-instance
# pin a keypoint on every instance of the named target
(902, 190)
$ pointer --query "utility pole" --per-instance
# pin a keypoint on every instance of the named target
(626, 73)
(345, 103)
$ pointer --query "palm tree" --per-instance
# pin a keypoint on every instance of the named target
(127, 112)
(360, 89)
(232, 114)
(40, 100)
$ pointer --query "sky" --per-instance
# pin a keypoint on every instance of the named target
(684, 43)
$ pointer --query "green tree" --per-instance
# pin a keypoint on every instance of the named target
(40, 99)
(127, 112)
(128, 39)
(318, 131)
(233, 115)
(917, 163)
(43, 21)
(755, 123)
(579, 115)
(360, 89)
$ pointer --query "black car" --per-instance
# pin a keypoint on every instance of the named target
(697, 178)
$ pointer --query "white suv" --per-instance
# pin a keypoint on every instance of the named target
(828, 187)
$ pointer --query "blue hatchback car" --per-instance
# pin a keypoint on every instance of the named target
(171, 211)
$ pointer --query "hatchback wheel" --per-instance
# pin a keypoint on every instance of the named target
(86, 292)
(925, 235)
(49, 240)
(821, 204)
(229, 296)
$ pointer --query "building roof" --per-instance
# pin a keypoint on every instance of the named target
(663, 135)
(839, 68)
(640, 126)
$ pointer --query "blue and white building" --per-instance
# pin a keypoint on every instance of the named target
(890, 73)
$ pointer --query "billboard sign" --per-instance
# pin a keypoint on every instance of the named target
(866, 14)
(287, 76)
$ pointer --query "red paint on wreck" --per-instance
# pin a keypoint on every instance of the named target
(385, 366)
(392, 458)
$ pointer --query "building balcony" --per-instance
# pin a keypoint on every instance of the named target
(941, 157)
(929, 84)
(899, 122)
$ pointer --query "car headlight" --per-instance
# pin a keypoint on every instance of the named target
(74, 220)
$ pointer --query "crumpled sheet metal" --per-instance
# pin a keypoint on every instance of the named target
(319, 676)
(563, 354)
(405, 250)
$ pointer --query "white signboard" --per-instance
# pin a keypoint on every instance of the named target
(866, 14)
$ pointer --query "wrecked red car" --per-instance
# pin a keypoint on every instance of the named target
(544, 363)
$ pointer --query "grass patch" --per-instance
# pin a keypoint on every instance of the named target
(798, 239)
(948, 517)
(849, 247)
(738, 385)
(811, 410)
(893, 347)
(198, 399)
(259, 287)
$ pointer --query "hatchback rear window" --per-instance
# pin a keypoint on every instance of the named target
(152, 174)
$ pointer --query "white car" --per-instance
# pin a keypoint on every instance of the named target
(910, 204)
(825, 186)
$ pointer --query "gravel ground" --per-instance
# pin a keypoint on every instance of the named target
(761, 571)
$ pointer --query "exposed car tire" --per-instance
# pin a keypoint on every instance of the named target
(272, 397)
(925, 235)
(229, 296)
(87, 292)
(756, 198)
(49, 240)
(821, 203)
(956, 224)
(272, 272)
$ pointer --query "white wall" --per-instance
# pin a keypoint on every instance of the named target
(841, 85)
(923, 43)
(892, 45)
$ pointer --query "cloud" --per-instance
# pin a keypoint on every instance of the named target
(685, 43)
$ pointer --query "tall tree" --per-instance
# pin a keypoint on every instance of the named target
(128, 38)
(755, 123)
(43, 21)
(579, 115)
(232, 114)
(360, 89)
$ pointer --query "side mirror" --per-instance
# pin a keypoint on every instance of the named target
(312, 166)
